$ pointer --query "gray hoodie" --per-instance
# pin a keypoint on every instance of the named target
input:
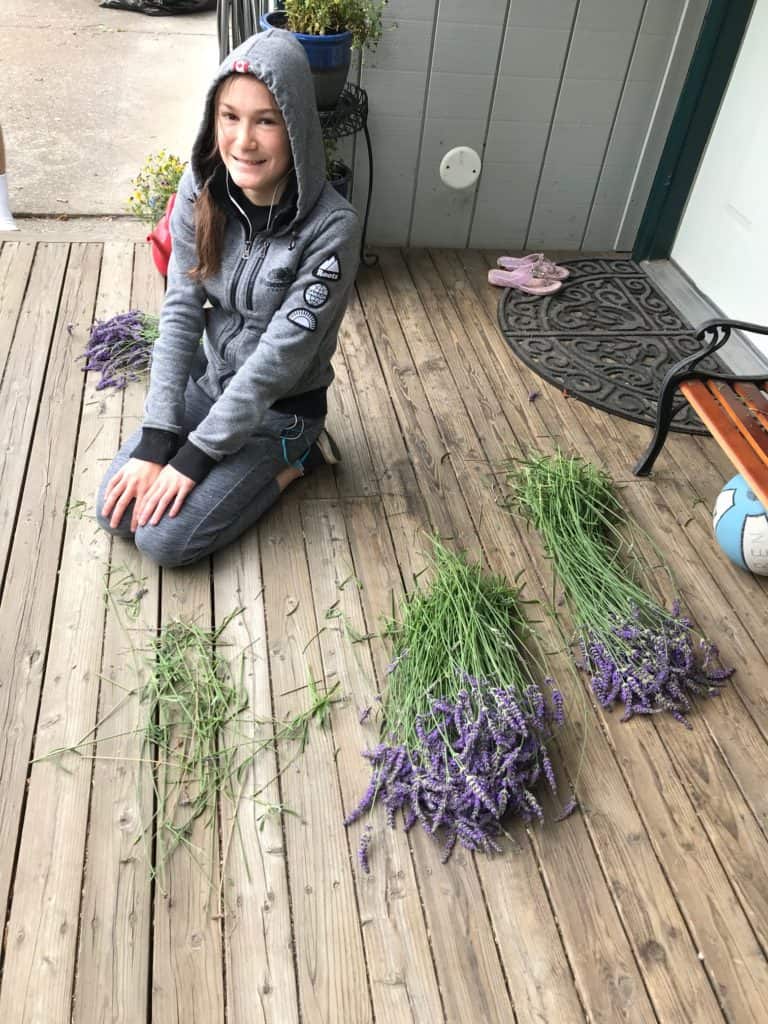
(272, 312)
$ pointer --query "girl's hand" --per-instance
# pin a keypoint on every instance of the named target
(169, 488)
(129, 484)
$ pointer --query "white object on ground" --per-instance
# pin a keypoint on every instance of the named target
(7, 222)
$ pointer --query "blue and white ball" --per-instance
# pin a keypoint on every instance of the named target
(741, 526)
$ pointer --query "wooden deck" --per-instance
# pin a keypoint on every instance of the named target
(650, 904)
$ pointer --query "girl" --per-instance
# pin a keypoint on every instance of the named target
(264, 258)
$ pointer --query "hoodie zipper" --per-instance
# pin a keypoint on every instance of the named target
(239, 269)
(238, 273)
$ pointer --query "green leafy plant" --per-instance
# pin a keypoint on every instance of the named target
(335, 168)
(154, 185)
(331, 157)
(325, 17)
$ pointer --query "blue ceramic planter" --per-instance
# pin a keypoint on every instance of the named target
(329, 58)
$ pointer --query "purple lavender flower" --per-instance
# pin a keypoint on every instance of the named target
(393, 665)
(651, 666)
(475, 761)
(362, 850)
(449, 845)
(120, 348)
(568, 809)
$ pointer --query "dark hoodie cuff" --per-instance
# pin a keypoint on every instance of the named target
(193, 462)
(156, 445)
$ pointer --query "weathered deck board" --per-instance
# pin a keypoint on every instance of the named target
(261, 985)
(116, 885)
(402, 975)
(40, 962)
(648, 904)
(187, 975)
(15, 264)
(332, 971)
(23, 376)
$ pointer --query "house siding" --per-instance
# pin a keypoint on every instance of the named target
(568, 103)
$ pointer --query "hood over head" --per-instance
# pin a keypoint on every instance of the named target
(277, 59)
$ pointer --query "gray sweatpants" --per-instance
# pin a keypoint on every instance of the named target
(234, 495)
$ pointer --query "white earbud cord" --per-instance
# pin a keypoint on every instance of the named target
(271, 205)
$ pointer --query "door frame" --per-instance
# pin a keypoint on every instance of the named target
(722, 31)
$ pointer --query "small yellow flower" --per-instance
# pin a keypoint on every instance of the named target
(154, 185)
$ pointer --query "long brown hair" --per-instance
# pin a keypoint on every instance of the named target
(210, 219)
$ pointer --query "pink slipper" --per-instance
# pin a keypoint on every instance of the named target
(525, 279)
(535, 259)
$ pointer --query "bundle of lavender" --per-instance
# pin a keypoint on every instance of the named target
(637, 652)
(466, 723)
(121, 348)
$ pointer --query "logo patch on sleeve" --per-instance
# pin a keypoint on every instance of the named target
(303, 318)
(316, 295)
(329, 269)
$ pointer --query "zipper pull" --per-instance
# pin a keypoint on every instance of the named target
(247, 250)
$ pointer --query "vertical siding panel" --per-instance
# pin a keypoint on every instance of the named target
(395, 78)
(644, 81)
(464, 61)
(533, 55)
(601, 46)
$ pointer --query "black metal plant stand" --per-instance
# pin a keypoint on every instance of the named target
(348, 117)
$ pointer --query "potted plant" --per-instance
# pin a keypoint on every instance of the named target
(329, 30)
(336, 171)
(154, 185)
(340, 176)
(154, 192)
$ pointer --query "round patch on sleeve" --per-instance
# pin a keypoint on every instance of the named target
(303, 318)
(316, 295)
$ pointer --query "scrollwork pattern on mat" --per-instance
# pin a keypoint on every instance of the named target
(607, 337)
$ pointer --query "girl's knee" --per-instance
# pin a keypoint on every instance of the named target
(122, 530)
(164, 547)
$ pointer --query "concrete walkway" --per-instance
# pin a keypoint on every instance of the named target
(88, 93)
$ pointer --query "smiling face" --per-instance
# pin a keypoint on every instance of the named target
(252, 138)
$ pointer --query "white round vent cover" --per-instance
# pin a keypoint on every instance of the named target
(460, 167)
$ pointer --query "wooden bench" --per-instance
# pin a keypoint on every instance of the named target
(734, 407)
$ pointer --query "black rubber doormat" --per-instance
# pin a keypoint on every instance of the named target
(607, 338)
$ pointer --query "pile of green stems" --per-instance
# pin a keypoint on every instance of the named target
(195, 733)
(595, 550)
(467, 622)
